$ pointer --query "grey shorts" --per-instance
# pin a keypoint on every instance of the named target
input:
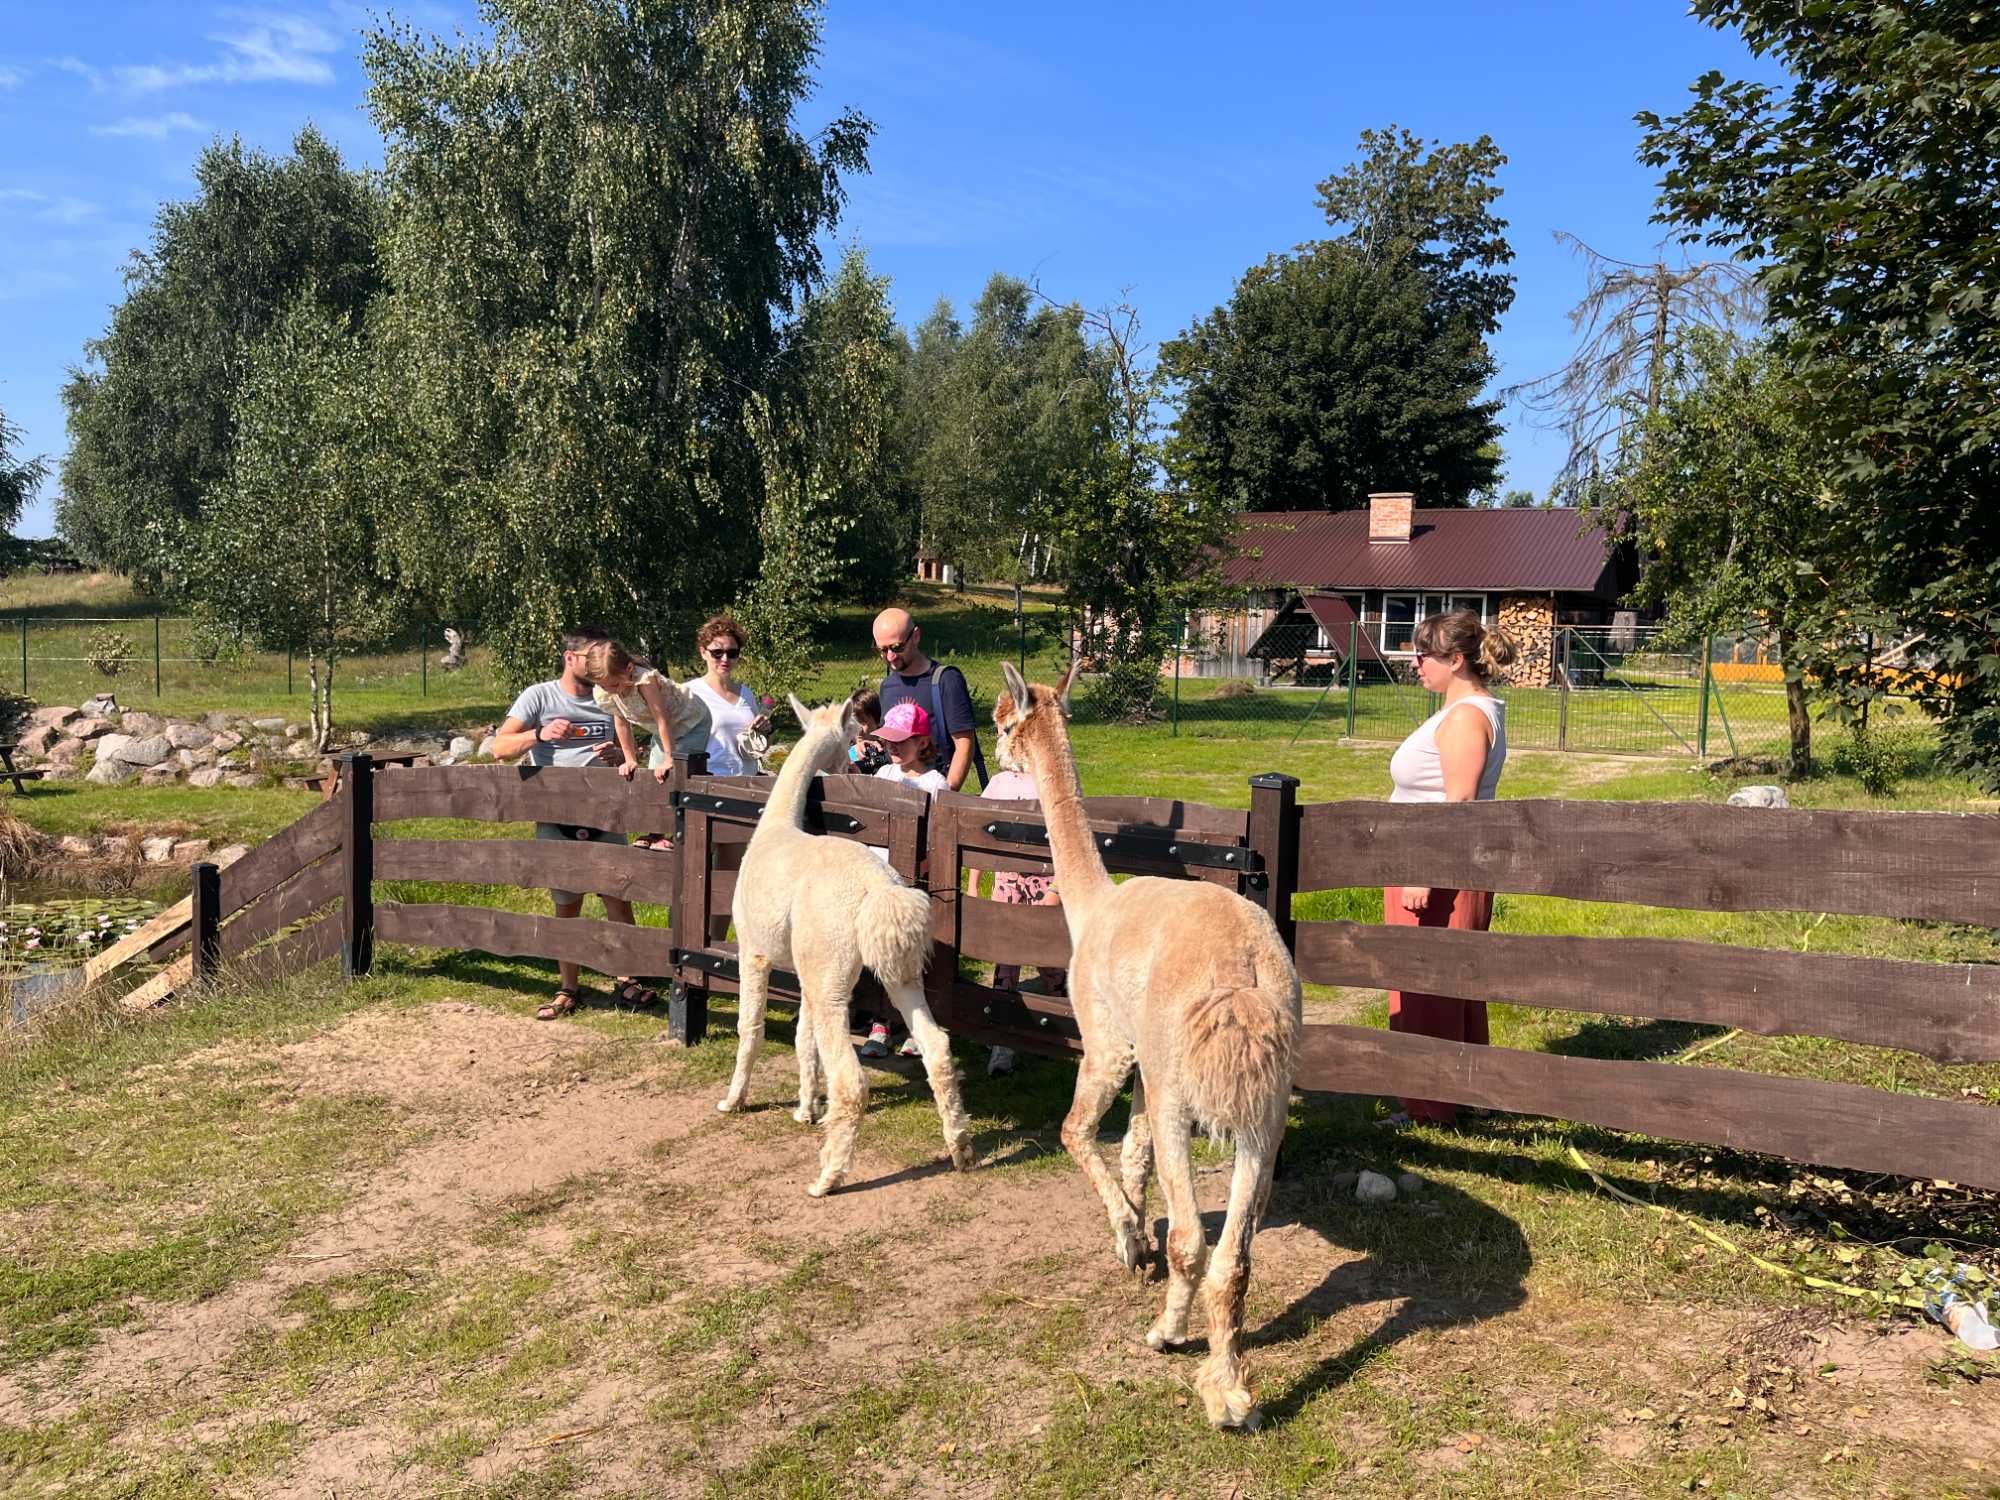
(566, 833)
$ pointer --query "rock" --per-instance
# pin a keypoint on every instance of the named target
(108, 746)
(54, 717)
(268, 726)
(156, 851)
(486, 748)
(1373, 1187)
(230, 853)
(293, 731)
(76, 844)
(118, 846)
(194, 760)
(60, 770)
(460, 745)
(162, 775)
(1409, 1184)
(63, 752)
(1759, 796)
(138, 724)
(38, 740)
(243, 781)
(111, 773)
(188, 736)
(1343, 1182)
(88, 729)
(217, 722)
(225, 740)
(150, 751)
(206, 777)
(187, 851)
(300, 783)
(102, 706)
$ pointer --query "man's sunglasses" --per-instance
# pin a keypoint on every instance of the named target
(725, 653)
(899, 648)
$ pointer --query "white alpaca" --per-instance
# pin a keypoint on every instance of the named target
(826, 909)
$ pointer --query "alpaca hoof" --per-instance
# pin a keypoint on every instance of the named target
(728, 1106)
(1130, 1243)
(1230, 1406)
(824, 1186)
(963, 1157)
(804, 1116)
(1159, 1340)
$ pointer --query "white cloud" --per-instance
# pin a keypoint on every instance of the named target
(89, 74)
(47, 210)
(265, 47)
(155, 127)
(11, 78)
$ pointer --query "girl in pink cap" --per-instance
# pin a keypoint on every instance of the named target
(906, 734)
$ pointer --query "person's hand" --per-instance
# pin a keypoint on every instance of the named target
(1416, 897)
(555, 729)
(662, 771)
(762, 723)
(605, 751)
(628, 768)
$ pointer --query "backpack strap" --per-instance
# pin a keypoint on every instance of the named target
(938, 669)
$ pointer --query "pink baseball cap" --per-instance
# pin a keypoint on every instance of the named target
(904, 722)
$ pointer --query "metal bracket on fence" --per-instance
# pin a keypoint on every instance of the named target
(725, 968)
(742, 807)
(1145, 846)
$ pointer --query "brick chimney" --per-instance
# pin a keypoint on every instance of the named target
(1389, 516)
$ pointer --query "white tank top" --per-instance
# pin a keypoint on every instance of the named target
(1418, 770)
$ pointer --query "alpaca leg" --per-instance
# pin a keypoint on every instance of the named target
(1187, 1246)
(1098, 1081)
(1135, 1157)
(756, 981)
(1224, 1391)
(938, 1066)
(825, 1008)
(811, 1081)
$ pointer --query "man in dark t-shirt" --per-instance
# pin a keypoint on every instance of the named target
(939, 691)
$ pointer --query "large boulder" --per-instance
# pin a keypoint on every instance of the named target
(111, 773)
(88, 728)
(225, 741)
(139, 724)
(242, 781)
(150, 751)
(162, 775)
(64, 752)
(187, 851)
(103, 706)
(76, 845)
(188, 736)
(206, 777)
(1759, 796)
(157, 851)
(53, 717)
(111, 746)
(268, 726)
(461, 745)
(37, 739)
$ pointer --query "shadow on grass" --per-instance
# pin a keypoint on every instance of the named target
(1609, 1037)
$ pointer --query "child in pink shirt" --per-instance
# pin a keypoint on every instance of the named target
(1018, 889)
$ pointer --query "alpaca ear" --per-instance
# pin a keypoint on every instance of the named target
(805, 714)
(1069, 680)
(1017, 685)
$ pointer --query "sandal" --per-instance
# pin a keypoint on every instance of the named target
(653, 841)
(638, 996)
(562, 1003)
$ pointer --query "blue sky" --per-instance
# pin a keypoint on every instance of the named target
(1153, 151)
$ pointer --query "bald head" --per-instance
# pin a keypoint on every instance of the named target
(897, 641)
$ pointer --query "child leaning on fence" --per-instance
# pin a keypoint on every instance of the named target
(638, 695)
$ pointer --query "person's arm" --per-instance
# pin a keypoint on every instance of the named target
(1463, 740)
(656, 700)
(516, 738)
(628, 746)
(958, 723)
(961, 760)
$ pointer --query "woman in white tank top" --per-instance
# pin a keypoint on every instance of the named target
(1454, 756)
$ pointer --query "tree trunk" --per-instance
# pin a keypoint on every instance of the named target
(1795, 706)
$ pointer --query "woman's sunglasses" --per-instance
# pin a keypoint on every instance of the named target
(725, 653)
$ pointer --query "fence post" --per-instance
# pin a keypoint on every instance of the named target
(207, 902)
(1562, 691)
(424, 658)
(156, 656)
(1701, 726)
(1353, 670)
(1180, 643)
(357, 860)
(1274, 834)
(24, 656)
(687, 1002)
(288, 671)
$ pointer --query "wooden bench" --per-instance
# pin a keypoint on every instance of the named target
(18, 776)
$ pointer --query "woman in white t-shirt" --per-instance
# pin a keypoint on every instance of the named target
(1453, 756)
(733, 710)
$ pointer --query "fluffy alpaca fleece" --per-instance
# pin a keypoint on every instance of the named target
(1193, 985)
(826, 909)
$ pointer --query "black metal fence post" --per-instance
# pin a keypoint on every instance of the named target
(687, 999)
(156, 656)
(1274, 834)
(207, 903)
(357, 855)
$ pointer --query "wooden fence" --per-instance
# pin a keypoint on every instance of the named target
(1922, 866)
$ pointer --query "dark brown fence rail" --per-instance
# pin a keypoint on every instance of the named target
(1931, 867)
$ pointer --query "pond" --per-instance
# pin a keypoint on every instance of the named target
(46, 931)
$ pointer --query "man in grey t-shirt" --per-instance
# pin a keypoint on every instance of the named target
(557, 723)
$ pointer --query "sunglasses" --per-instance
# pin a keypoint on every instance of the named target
(899, 648)
(725, 653)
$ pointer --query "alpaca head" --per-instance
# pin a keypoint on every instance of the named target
(828, 730)
(1026, 714)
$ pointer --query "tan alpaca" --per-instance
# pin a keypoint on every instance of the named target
(826, 908)
(1193, 984)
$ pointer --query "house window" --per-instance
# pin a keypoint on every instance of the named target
(1399, 622)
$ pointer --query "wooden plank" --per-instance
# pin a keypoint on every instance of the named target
(1947, 1012)
(606, 947)
(175, 976)
(1007, 934)
(292, 953)
(1941, 867)
(961, 1009)
(167, 930)
(1159, 816)
(594, 797)
(283, 855)
(1829, 1124)
(533, 864)
(984, 851)
(298, 898)
(872, 803)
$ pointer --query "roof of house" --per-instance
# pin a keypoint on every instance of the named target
(1546, 550)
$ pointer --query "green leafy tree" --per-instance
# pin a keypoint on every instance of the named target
(288, 546)
(1725, 491)
(19, 477)
(600, 218)
(1357, 363)
(151, 415)
(1865, 191)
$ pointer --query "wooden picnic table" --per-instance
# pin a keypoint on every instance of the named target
(19, 777)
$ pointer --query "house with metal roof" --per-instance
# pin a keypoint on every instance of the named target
(1317, 584)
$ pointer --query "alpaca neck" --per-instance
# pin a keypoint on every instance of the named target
(1080, 872)
(786, 806)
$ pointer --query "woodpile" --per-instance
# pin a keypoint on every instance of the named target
(1531, 620)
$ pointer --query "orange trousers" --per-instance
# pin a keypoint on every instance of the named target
(1438, 1015)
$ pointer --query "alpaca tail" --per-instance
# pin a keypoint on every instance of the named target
(1241, 1044)
(892, 928)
